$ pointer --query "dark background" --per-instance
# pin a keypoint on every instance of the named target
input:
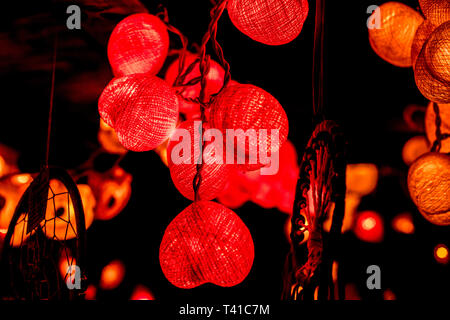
(363, 93)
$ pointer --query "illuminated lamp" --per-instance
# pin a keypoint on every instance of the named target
(430, 124)
(243, 107)
(206, 242)
(214, 81)
(112, 189)
(65, 260)
(60, 222)
(429, 187)
(107, 138)
(138, 44)
(112, 275)
(432, 70)
(352, 201)
(11, 190)
(361, 178)
(414, 148)
(403, 223)
(437, 11)
(422, 34)
(273, 22)
(183, 154)
(441, 253)
(141, 292)
(392, 41)
(234, 194)
(369, 227)
(90, 293)
(142, 109)
(8, 160)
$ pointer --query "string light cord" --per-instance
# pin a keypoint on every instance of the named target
(436, 147)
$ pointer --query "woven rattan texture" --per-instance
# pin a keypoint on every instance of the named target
(206, 242)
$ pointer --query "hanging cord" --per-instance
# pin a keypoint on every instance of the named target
(204, 65)
(209, 37)
(317, 74)
(439, 135)
(52, 94)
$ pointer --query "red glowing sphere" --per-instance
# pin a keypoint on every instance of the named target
(235, 193)
(206, 242)
(255, 116)
(138, 44)
(274, 22)
(369, 227)
(142, 109)
(183, 154)
(214, 82)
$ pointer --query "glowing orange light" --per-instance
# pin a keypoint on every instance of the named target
(389, 295)
(441, 253)
(91, 292)
(369, 227)
(361, 178)
(414, 148)
(141, 292)
(403, 223)
(65, 261)
(112, 275)
(19, 179)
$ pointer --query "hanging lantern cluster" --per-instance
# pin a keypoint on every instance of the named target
(143, 111)
(424, 44)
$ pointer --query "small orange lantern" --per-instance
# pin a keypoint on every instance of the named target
(429, 187)
(393, 39)
(414, 148)
(361, 178)
(11, 190)
(107, 138)
(112, 275)
(430, 124)
(60, 215)
(112, 189)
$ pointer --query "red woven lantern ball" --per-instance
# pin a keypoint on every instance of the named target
(183, 156)
(245, 107)
(369, 227)
(138, 44)
(274, 22)
(214, 81)
(206, 242)
(142, 109)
